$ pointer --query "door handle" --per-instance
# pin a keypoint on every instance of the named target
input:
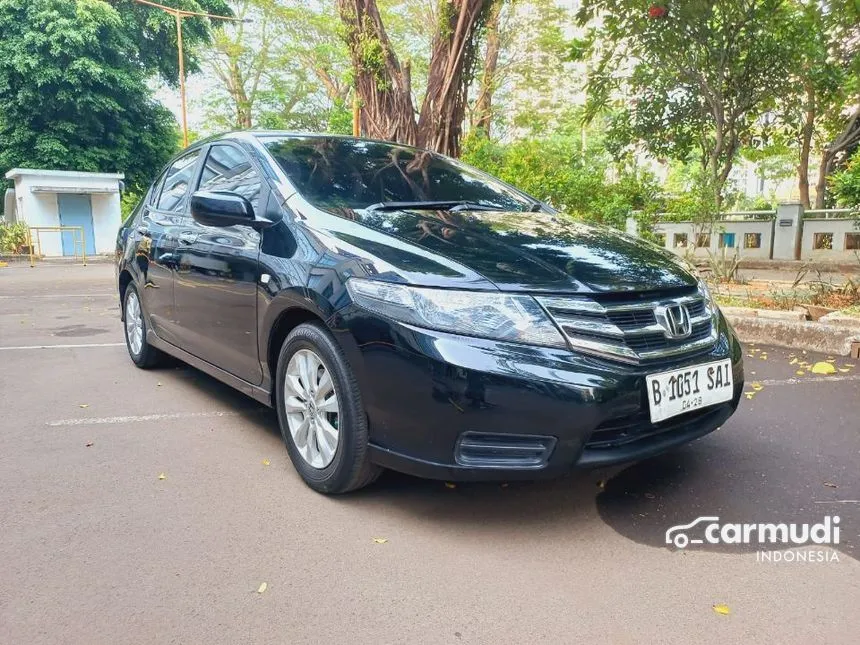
(188, 237)
(143, 230)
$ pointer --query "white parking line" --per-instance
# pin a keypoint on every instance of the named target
(62, 346)
(142, 418)
(60, 295)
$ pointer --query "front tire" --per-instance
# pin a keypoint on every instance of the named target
(320, 413)
(141, 352)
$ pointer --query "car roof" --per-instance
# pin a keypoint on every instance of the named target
(245, 135)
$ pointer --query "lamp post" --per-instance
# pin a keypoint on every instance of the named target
(179, 14)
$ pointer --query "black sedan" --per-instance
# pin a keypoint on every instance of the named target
(403, 310)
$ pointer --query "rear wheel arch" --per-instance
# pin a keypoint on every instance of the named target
(124, 280)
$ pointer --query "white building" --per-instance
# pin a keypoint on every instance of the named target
(50, 198)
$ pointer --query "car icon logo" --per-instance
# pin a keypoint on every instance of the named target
(677, 535)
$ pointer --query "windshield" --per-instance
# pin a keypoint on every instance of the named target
(350, 173)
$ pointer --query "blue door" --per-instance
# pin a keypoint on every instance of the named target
(75, 210)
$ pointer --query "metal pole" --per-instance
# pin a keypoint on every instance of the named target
(178, 17)
(356, 114)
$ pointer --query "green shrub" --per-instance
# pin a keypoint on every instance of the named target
(587, 186)
(13, 237)
(846, 183)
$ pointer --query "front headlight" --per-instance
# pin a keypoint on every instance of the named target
(707, 295)
(500, 316)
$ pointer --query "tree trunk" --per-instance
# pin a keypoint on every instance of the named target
(805, 145)
(484, 103)
(823, 172)
(440, 123)
(382, 83)
(385, 86)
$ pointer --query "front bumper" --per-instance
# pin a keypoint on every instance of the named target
(436, 402)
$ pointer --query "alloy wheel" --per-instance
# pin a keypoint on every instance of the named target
(134, 323)
(312, 408)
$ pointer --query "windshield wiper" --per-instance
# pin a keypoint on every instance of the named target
(452, 206)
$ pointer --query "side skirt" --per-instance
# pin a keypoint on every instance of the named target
(256, 392)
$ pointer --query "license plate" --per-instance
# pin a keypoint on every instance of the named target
(687, 389)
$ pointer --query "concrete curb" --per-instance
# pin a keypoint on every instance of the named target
(796, 334)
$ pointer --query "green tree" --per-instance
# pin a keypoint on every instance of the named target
(525, 81)
(284, 66)
(689, 78)
(153, 32)
(823, 84)
(73, 94)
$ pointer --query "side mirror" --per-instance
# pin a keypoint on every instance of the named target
(221, 209)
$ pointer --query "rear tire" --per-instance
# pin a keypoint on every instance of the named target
(141, 352)
(321, 414)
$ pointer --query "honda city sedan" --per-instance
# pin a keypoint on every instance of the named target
(400, 309)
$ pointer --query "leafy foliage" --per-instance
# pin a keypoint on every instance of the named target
(586, 186)
(846, 183)
(693, 76)
(286, 69)
(73, 95)
(154, 33)
(13, 237)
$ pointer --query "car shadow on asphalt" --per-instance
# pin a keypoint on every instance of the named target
(646, 499)
(715, 476)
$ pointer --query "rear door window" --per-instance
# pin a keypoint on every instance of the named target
(176, 181)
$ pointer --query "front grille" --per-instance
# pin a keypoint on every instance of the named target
(626, 327)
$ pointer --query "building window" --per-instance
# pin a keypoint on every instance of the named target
(752, 240)
(660, 239)
(852, 241)
(822, 241)
(727, 240)
(679, 241)
(703, 241)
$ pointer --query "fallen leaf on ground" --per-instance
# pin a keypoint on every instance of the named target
(830, 485)
(849, 364)
(844, 369)
(753, 373)
(450, 485)
(793, 361)
(750, 395)
(758, 387)
(266, 462)
(83, 405)
(162, 476)
(158, 384)
(823, 368)
(380, 540)
(750, 356)
(723, 610)
(90, 444)
(262, 588)
(800, 372)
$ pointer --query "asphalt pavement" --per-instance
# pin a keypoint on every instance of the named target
(152, 506)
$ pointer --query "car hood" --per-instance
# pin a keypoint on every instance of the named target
(515, 251)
